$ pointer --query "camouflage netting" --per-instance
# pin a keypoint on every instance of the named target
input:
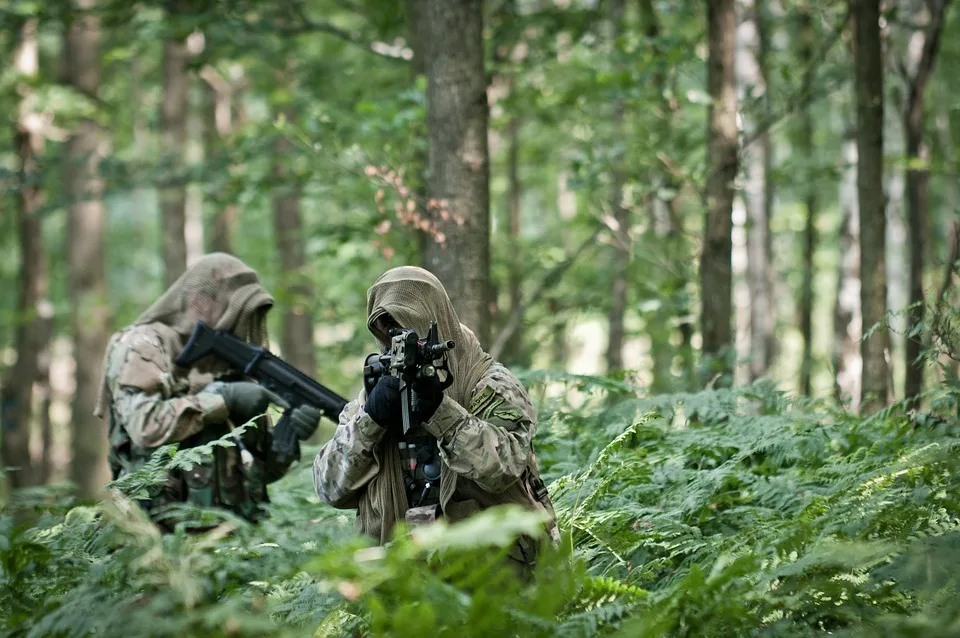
(219, 290)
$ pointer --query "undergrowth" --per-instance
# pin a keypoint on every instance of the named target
(720, 513)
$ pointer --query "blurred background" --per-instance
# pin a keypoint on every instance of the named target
(661, 192)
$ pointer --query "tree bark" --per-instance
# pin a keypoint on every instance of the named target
(715, 261)
(917, 152)
(34, 310)
(219, 96)
(458, 249)
(810, 202)
(173, 120)
(621, 246)
(758, 194)
(85, 255)
(868, 81)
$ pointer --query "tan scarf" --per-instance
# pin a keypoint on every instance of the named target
(414, 297)
(218, 289)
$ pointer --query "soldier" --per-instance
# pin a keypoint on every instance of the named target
(473, 449)
(152, 402)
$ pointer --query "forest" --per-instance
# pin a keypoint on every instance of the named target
(716, 240)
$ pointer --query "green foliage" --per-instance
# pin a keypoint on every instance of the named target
(727, 512)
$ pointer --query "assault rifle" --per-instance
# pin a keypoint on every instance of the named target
(409, 358)
(291, 387)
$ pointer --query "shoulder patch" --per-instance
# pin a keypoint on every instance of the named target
(483, 400)
(507, 411)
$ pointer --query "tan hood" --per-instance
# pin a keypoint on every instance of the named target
(219, 290)
(414, 297)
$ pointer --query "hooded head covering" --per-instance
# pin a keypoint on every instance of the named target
(414, 298)
(219, 290)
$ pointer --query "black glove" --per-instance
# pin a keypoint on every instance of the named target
(383, 404)
(305, 420)
(245, 400)
(429, 395)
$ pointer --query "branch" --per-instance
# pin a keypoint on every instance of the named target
(799, 98)
(549, 279)
(212, 77)
(307, 25)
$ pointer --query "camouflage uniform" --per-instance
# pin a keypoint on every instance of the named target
(485, 449)
(150, 402)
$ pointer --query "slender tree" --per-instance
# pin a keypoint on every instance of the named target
(807, 149)
(868, 82)
(758, 195)
(715, 266)
(220, 97)
(917, 152)
(621, 216)
(296, 339)
(173, 120)
(34, 310)
(85, 252)
(458, 248)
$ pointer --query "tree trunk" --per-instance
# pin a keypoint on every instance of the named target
(868, 80)
(950, 368)
(917, 197)
(621, 217)
(34, 310)
(847, 319)
(715, 267)
(417, 34)
(458, 249)
(810, 203)
(514, 352)
(85, 255)
(173, 120)
(752, 78)
(667, 223)
(219, 124)
(296, 290)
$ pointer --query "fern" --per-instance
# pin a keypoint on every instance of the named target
(724, 512)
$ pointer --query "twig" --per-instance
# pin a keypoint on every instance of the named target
(307, 26)
(798, 99)
(548, 280)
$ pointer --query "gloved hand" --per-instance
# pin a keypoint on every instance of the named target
(245, 400)
(305, 420)
(383, 404)
(429, 395)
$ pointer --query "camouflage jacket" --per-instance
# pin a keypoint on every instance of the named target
(487, 448)
(154, 403)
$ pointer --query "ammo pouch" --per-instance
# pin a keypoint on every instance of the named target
(201, 484)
